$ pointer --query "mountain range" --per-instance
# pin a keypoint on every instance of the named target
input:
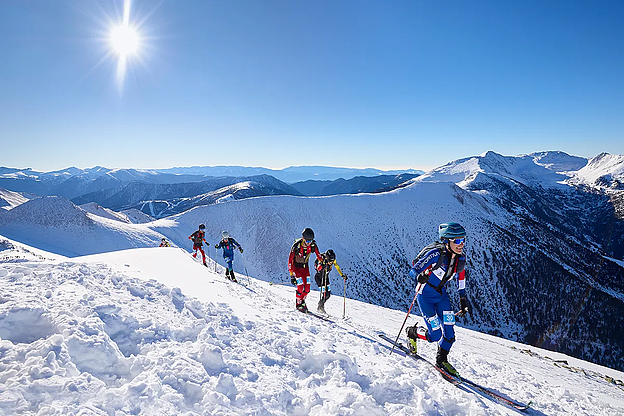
(544, 246)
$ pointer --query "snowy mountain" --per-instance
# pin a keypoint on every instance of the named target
(356, 185)
(73, 182)
(160, 200)
(290, 174)
(604, 171)
(55, 224)
(10, 199)
(150, 331)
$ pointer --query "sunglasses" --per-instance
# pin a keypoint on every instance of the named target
(458, 241)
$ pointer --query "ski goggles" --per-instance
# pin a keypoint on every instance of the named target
(308, 241)
(458, 241)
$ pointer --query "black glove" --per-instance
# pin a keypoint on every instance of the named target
(344, 276)
(293, 279)
(465, 305)
(241, 250)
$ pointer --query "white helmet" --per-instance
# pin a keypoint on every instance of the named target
(225, 235)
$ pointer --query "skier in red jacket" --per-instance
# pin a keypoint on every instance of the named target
(298, 266)
(199, 237)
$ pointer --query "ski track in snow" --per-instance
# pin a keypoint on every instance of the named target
(150, 331)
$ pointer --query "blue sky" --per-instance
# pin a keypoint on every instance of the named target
(385, 84)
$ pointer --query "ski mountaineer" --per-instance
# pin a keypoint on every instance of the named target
(164, 243)
(299, 268)
(199, 237)
(432, 269)
(228, 244)
(323, 266)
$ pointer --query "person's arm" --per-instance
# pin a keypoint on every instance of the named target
(291, 262)
(317, 253)
(339, 271)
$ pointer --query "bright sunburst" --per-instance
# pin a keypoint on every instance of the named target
(125, 43)
(125, 40)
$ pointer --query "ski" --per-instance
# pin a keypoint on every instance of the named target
(461, 380)
(316, 315)
(494, 395)
(446, 376)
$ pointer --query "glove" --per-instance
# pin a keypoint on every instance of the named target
(465, 305)
(293, 280)
(241, 250)
(344, 276)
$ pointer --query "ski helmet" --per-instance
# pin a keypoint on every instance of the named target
(331, 256)
(202, 226)
(225, 235)
(449, 230)
(163, 239)
(308, 234)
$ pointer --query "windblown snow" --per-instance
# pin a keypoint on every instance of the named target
(151, 331)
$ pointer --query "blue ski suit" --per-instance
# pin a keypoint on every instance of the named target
(433, 300)
(228, 250)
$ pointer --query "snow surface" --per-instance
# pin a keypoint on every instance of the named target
(607, 166)
(547, 169)
(55, 224)
(100, 211)
(10, 199)
(151, 331)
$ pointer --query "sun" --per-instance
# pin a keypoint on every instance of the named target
(124, 40)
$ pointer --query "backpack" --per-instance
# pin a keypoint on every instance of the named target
(295, 247)
(424, 276)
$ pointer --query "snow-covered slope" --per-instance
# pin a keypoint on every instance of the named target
(10, 199)
(57, 225)
(137, 217)
(548, 169)
(95, 209)
(150, 331)
(604, 171)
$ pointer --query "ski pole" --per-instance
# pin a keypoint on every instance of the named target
(406, 316)
(216, 254)
(246, 272)
(344, 299)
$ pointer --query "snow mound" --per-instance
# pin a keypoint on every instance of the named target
(55, 224)
(48, 211)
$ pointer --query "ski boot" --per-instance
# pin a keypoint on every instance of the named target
(301, 306)
(321, 307)
(412, 344)
(442, 362)
(232, 277)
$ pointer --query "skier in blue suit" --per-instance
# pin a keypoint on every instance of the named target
(432, 269)
(228, 244)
